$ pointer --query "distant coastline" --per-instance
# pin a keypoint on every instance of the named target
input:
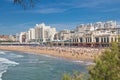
(83, 54)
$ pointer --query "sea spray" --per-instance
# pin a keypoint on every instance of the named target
(84, 62)
(1, 52)
(4, 64)
(15, 55)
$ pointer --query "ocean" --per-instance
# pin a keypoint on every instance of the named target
(30, 66)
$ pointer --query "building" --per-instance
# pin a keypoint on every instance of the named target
(4, 37)
(31, 35)
(44, 33)
(98, 34)
(7, 38)
(63, 35)
(22, 37)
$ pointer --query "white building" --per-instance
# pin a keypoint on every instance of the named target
(110, 24)
(44, 33)
(31, 35)
(17, 37)
(99, 25)
(98, 34)
(22, 37)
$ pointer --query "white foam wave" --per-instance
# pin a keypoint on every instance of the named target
(15, 55)
(42, 61)
(85, 62)
(78, 61)
(46, 55)
(1, 52)
(6, 61)
(49, 56)
(1, 73)
(4, 64)
(89, 63)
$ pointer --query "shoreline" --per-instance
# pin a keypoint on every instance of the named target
(79, 54)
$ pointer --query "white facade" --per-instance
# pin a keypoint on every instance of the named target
(85, 33)
(22, 37)
(108, 24)
(39, 31)
(85, 28)
(101, 32)
(44, 33)
(99, 25)
(17, 37)
(50, 32)
(31, 34)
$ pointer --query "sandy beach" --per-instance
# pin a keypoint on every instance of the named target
(73, 53)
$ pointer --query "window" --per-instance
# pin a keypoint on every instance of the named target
(81, 40)
(97, 39)
(111, 39)
(107, 39)
(86, 40)
(90, 40)
(102, 40)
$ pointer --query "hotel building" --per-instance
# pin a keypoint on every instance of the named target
(31, 35)
(22, 37)
(44, 33)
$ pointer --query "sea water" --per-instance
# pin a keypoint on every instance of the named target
(28, 66)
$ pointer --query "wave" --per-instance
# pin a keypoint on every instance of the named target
(4, 64)
(1, 73)
(16, 56)
(78, 61)
(6, 61)
(49, 56)
(1, 52)
(42, 61)
(89, 63)
(84, 62)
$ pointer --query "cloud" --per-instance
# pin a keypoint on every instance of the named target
(111, 10)
(74, 4)
(16, 28)
(43, 11)
(9, 0)
(50, 10)
(70, 26)
(67, 5)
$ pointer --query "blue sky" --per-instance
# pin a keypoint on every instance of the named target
(62, 14)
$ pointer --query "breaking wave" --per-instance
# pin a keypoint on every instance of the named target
(4, 64)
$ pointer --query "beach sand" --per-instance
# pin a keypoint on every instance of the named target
(84, 54)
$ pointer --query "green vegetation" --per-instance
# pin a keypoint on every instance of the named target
(6, 41)
(107, 66)
(75, 76)
(26, 3)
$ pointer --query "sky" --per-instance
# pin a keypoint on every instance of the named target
(61, 14)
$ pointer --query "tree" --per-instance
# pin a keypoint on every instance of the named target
(75, 76)
(107, 65)
(66, 77)
(26, 3)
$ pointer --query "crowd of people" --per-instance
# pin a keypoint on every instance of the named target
(70, 52)
(83, 51)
